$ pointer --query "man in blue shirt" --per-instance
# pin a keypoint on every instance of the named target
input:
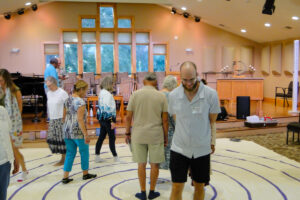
(51, 71)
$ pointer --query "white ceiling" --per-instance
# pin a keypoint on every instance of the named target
(233, 14)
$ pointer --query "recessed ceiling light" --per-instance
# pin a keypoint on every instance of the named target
(28, 4)
(267, 24)
(183, 8)
(243, 30)
(295, 18)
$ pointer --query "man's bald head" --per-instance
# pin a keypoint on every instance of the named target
(188, 75)
(188, 66)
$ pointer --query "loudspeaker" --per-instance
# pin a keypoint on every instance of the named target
(242, 107)
(223, 114)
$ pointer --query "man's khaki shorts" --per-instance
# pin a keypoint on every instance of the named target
(140, 153)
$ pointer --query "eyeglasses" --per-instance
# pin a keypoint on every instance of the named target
(189, 80)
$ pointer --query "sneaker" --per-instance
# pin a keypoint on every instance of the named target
(66, 180)
(23, 176)
(89, 176)
(141, 196)
(153, 195)
(116, 159)
(98, 159)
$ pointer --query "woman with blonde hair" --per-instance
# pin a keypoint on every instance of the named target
(107, 118)
(75, 132)
(12, 101)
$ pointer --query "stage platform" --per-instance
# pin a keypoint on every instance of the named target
(228, 128)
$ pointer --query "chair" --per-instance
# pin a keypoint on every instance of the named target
(125, 88)
(121, 75)
(295, 128)
(72, 77)
(89, 75)
(285, 94)
(160, 79)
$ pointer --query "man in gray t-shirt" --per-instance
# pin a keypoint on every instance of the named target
(194, 107)
(149, 110)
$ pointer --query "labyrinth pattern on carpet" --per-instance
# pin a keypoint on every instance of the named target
(240, 171)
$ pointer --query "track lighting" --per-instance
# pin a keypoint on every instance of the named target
(21, 11)
(186, 15)
(7, 16)
(173, 11)
(34, 7)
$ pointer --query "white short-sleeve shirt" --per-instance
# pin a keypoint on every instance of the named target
(55, 103)
(6, 152)
(192, 136)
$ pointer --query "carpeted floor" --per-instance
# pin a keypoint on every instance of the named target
(277, 143)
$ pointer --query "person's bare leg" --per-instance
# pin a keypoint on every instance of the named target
(20, 159)
(142, 175)
(153, 175)
(66, 174)
(62, 160)
(177, 189)
(199, 191)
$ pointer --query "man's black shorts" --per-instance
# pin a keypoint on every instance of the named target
(180, 164)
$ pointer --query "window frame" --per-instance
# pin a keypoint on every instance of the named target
(82, 43)
(88, 17)
(167, 68)
(126, 17)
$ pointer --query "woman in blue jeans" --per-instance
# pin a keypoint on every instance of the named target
(75, 132)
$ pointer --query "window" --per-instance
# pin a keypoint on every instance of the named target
(88, 23)
(107, 51)
(89, 51)
(50, 51)
(71, 58)
(124, 52)
(159, 57)
(107, 17)
(70, 51)
(124, 23)
(142, 52)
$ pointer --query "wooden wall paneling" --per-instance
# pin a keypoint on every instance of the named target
(228, 56)
(275, 62)
(265, 60)
(246, 55)
(209, 59)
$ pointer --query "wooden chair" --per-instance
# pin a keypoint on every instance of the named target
(295, 128)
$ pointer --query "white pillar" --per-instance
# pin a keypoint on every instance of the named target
(295, 80)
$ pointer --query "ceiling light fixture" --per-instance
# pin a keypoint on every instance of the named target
(183, 8)
(295, 18)
(21, 11)
(7, 16)
(267, 24)
(186, 15)
(34, 7)
(173, 11)
(243, 30)
(28, 4)
(197, 19)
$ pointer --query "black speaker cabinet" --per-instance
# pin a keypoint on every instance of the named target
(242, 107)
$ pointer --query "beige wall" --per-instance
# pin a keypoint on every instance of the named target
(27, 32)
